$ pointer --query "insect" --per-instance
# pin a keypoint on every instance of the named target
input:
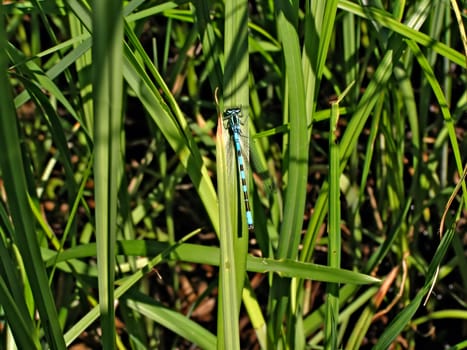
(232, 118)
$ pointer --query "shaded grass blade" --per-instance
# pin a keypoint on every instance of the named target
(403, 318)
(430, 76)
(24, 235)
(107, 98)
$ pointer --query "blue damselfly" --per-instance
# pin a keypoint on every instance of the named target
(233, 121)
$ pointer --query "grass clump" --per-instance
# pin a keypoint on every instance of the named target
(120, 204)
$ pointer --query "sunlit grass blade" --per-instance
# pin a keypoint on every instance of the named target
(297, 160)
(334, 231)
(29, 69)
(391, 23)
(179, 324)
(378, 187)
(298, 150)
(366, 318)
(233, 246)
(255, 314)
(179, 139)
(135, 248)
(228, 210)
(22, 327)
(210, 255)
(349, 140)
(82, 62)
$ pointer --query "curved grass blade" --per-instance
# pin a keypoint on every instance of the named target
(443, 103)
(387, 21)
(404, 317)
(12, 165)
(176, 322)
(174, 129)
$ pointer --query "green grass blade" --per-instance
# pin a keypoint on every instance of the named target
(296, 269)
(349, 140)
(18, 315)
(227, 323)
(128, 282)
(387, 21)
(77, 29)
(319, 28)
(12, 165)
(210, 256)
(440, 315)
(212, 49)
(135, 248)
(255, 314)
(334, 222)
(297, 158)
(30, 70)
(437, 90)
(22, 326)
(178, 138)
(298, 147)
(176, 322)
(404, 317)
(233, 239)
(107, 94)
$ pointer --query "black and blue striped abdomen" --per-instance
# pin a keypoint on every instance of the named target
(232, 122)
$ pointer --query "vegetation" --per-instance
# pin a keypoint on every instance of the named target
(121, 217)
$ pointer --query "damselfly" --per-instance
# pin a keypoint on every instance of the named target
(232, 118)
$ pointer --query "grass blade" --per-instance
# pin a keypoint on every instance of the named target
(228, 330)
(107, 94)
(334, 221)
(403, 318)
(12, 165)
(430, 76)
(179, 324)
(387, 21)
(233, 239)
(298, 149)
(297, 157)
